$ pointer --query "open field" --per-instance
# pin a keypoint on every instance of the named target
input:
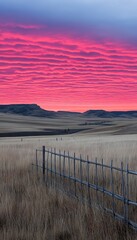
(116, 147)
(29, 210)
(16, 125)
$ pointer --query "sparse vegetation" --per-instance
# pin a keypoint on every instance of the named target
(29, 210)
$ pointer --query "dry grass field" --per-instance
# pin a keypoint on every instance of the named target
(29, 210)
(10, 123)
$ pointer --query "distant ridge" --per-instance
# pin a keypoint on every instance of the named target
(26, 110)
(37, 111)
(112, 114)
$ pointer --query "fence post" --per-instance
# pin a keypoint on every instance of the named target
(69, 174)
(64, 169)
(75, 174)
(81, 177)
(96, 178)
(43, 163)
(55, 166)
(51, 177)
(103, 181)
(37, 160)
(60, 173)
(112, 188)
(123, 190)
(47, 167)
(88, 183)
(127, 194)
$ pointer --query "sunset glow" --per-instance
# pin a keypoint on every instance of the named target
(65, 67)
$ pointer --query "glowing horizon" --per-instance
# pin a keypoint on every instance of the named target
(68, 63)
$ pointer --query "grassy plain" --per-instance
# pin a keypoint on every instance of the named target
(29, 210)
(90, 126)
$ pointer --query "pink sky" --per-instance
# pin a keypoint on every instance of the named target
(61, 70)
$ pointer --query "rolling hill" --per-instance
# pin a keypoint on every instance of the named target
(37, 111)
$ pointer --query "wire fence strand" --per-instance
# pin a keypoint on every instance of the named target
(90, 181)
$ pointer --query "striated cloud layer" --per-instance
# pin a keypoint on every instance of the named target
(67, 66)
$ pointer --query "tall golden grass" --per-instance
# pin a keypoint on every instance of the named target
(30, 210)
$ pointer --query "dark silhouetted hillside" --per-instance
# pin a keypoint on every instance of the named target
(37, 111)
(113, 114)
(26, 110)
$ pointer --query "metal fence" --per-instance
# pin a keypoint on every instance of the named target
(112, 188)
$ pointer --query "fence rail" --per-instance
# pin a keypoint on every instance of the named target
(112, 188)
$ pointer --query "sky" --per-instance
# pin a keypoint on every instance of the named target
(71, 55)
